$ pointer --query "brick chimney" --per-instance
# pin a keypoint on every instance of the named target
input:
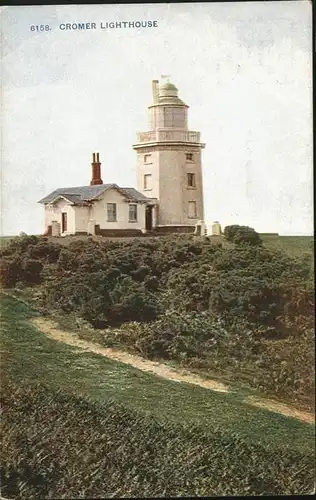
(96, 170)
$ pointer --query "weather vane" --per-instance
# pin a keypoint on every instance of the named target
(166, 77)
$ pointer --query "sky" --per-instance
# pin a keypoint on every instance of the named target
(245, 70)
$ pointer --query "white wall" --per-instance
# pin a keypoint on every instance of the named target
(171, 186)
(196, 193)
(169, 168)
(99, 212)
(53, 213)
(78, 217)
(167, 116)
(151, 167)
(82, 215)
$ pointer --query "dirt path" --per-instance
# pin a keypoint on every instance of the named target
(280, 408)
(162, 370)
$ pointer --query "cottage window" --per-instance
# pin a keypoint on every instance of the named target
(147, 181)
(132, 212)
(189, 156)
(111, 209)
(192, 210)
(191, 179)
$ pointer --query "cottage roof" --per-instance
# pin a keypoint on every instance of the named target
(134, 194)
(73, 198)
(83, 194)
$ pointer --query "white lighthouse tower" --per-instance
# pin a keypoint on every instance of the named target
(169, 167)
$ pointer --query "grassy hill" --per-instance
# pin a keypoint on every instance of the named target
(77, 424)
(101, 378)
(83, 410)
(245, 312)
(294, 245)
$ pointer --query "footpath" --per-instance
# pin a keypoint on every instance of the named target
(51, 329)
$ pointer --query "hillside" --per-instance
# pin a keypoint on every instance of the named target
(235, 314)
(293, 245)
(242, 313)
(120, 432)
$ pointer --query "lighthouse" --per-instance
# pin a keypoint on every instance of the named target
(169, 164)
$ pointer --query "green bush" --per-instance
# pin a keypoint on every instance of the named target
(103, 298)
(19, 244)
(249, 355)
(242, 235)
(10, 271)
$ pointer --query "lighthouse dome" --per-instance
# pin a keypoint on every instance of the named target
(168, 90)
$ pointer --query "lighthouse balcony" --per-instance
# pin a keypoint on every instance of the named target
(168, 136)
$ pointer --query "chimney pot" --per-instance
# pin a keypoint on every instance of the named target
(96, 170)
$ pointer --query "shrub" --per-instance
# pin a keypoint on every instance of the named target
(10, 271)
(31, 271)
(19, 244)
(242, 235)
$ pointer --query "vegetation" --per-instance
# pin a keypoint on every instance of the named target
(98, 429)
(242, 235)
(293, 245)
(244, 311)
(74, 448)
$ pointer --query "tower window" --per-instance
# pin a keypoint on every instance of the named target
(147, 181)
(168, 118)
(191, 180)
(132, 212)
(192, 210)
(111, 209)
(174, 117)
(189, 156)
(147, 158)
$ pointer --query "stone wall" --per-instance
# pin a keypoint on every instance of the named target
(115, 233)
(48, 231)
(174, 229)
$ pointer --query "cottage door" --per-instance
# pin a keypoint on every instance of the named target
(63, 222)
(149, 218)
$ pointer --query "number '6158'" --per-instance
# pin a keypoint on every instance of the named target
(40, 27)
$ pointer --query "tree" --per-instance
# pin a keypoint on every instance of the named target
(242, 235)
(10, 271)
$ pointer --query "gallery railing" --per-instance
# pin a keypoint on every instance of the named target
(168, 135)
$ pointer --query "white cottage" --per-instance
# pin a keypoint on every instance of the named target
(104, 209)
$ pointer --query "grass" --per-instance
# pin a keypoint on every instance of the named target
(5, 240)
(28, 355)
(293, 245)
